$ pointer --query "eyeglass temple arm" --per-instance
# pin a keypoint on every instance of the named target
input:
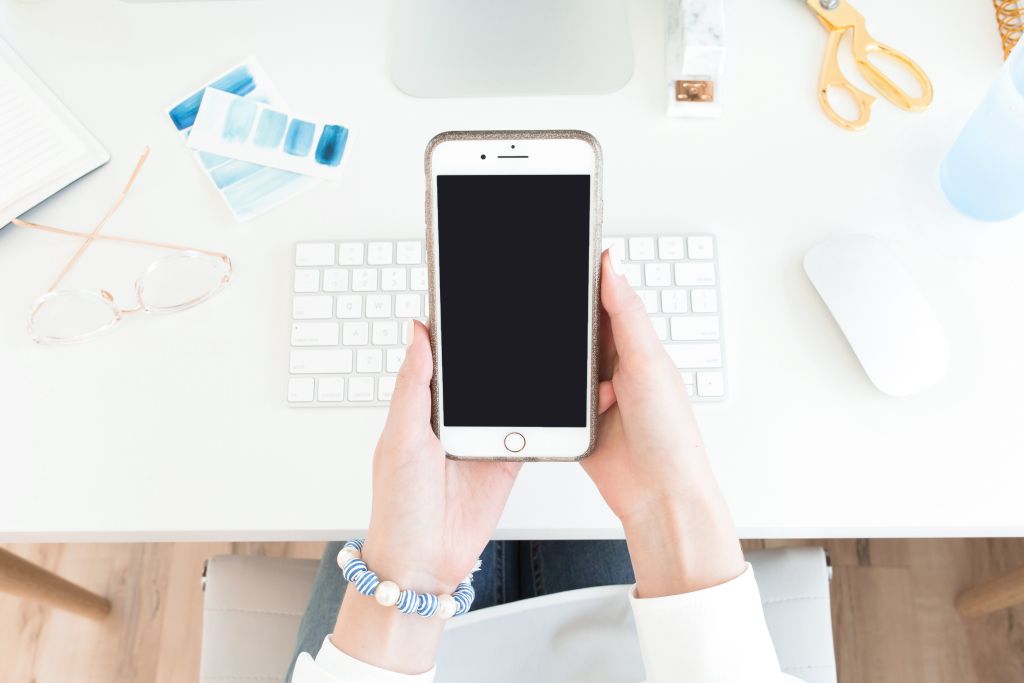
(103, 221)
(114, 238)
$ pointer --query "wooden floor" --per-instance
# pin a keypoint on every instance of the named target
(892, 604)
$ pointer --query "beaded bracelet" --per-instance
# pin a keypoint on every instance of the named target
(387, 593)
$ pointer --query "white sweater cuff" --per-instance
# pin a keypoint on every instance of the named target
(334, 666)
(713, 635)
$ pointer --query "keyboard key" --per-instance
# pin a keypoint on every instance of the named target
(407, 332)
(392, 279)
(695, 274)
(641, 248)
(350, 306)
(710, 384)
(330, 389)
(320, 361)
(616, 245)
(695, 328)
(688, 377)
(350, 254)
(418, 279)
(704, 301)
(369, 360)
(695, 355)
(409, 253)
(314, 334)
(657, 274)
(700, 247)
(364, 280)
(660, 327)
(300, 389)
(650, 299)
(407, 305)
(307, 281)
(394, 359)
(634, 274)
(379, 253)
(385, 333)
(314, 254)
(336, 280)
(378, 306)
(312, 307)
(385, 388)
(360, 389)
(355, 334)
(670, 248)
(673, 301)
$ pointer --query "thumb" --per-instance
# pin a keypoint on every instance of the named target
(632, 331)
(410, 401)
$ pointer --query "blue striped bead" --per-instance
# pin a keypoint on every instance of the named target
(366, 583)
(427, 605)
(463, 596)
(351, 568)
(407, 602)
(355, 544)
(461, 604)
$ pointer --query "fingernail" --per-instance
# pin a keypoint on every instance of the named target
(615, 260)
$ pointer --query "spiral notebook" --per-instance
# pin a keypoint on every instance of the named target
(43, 147)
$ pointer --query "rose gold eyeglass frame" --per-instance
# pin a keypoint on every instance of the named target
(105, 296)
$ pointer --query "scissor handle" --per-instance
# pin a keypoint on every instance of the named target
(832, 77)
(863, 45)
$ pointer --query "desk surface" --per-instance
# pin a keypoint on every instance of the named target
(175, 427)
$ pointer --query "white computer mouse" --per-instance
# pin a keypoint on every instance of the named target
(885, 317)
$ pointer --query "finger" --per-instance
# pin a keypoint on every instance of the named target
(410, 401)
(631, 327)
(605, 397)
(609, 356)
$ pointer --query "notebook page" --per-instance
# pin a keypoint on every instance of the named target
(36, 146)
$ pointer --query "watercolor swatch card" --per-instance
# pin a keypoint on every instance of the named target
(242, 128)
(249, 189)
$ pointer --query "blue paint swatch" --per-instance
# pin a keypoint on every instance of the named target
(237, 81)
(270, 129)
(210, 160)
(232, 172)
(331, 145)
(239, 119)
(299, 138)
(263, 189)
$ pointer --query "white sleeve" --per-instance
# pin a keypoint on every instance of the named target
(708, 636)
(334, 666)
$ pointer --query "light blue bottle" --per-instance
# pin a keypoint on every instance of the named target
(983, 173)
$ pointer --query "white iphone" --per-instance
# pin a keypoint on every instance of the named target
(514, 247)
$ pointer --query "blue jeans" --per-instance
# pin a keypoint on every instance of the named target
(512, 570)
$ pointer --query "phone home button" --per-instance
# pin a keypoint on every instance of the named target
(515, 442)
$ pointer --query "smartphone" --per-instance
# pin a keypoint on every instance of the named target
(513, 249)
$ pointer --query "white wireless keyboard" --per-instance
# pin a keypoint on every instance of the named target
(353, 303)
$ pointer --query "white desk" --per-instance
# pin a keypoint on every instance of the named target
(176, 427)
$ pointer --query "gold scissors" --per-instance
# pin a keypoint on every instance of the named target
(838, 17)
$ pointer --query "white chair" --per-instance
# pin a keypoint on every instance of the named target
(253, 605)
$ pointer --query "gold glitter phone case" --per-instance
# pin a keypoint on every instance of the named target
(596, 209)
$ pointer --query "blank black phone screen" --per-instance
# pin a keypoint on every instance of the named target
(514, 269)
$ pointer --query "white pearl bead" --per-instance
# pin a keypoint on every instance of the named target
(446, 608)
(386, 593)
(346, 554)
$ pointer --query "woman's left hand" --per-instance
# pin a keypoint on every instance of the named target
(431, 519)
(431, 516)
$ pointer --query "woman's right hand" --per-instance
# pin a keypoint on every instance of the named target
(649, 463)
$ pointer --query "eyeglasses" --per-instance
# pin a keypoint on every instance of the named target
(171, 283)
